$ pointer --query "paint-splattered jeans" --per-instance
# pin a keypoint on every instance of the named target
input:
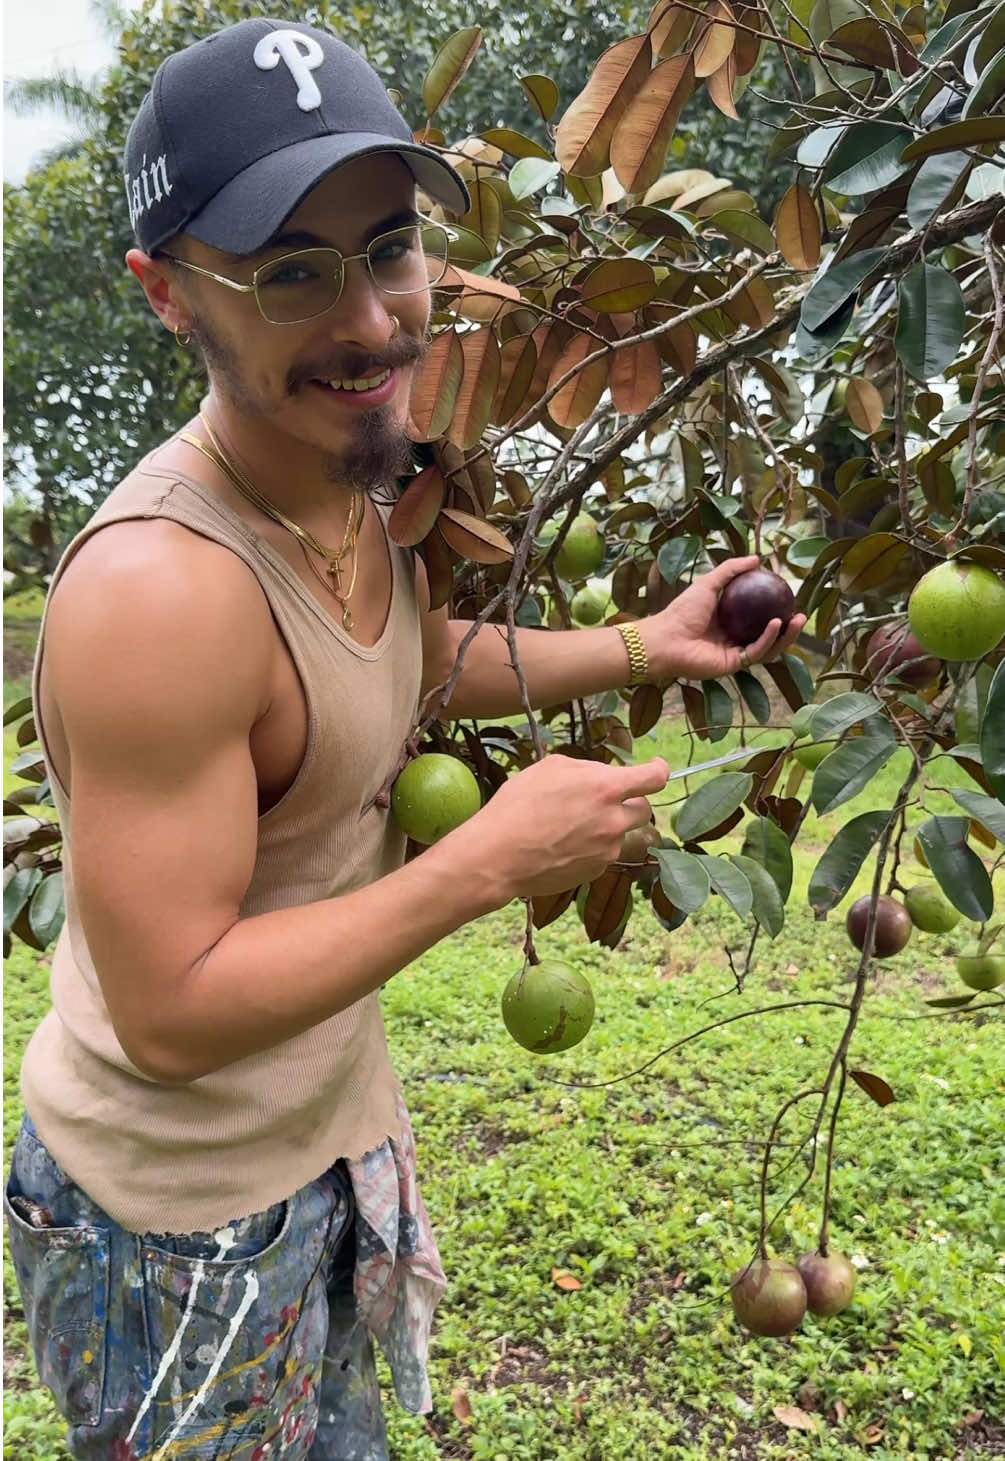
(241, 1345)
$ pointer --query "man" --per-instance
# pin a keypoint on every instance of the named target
(212, 1203)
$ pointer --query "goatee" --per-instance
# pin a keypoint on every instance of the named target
(378, 454)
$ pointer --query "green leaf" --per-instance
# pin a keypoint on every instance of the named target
(767, 845)
(718, 709)
(940, 40)
(804, 552)
(449, 65)
(992, 741)
(840, 713)
(930, 320)
(813, 345)
(767, 907)
(683, 878)
(840, 864)
(836, 285)
(951, 1001)
(972, 133)
(985, 809)
(712, 803)
(744, 228)
(849, 769)
(755, 696)
(30, 765)
(531, 174)
(956, 867)
(17, 710)
(989, 89)
(17, 892)
(730, 882)
(816, 146)
(932, 186)
(827, 16)
(47, 910)
(676, 556)
(868, 158)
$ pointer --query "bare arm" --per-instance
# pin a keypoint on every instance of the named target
(158, 688)
(683, 640)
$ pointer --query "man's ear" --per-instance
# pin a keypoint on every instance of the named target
(161, 289)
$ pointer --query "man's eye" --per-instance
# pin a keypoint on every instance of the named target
(288, 271)
(396, 249)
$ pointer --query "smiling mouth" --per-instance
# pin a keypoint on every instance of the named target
(357, 385)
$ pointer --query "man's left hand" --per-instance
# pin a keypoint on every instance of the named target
(685, 640)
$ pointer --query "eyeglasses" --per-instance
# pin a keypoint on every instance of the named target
(299, 286)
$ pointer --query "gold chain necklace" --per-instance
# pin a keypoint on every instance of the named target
(332, 577)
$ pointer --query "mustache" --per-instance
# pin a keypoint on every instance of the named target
(401, 351)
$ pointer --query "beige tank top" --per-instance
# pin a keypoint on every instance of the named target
(181, 1158)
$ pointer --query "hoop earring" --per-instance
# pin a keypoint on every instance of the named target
(397, 326)
(182, 337)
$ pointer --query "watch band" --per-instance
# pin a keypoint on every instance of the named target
(637, 661)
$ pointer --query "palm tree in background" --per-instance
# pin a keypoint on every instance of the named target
(75, 98)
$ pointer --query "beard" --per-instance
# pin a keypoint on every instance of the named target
(379, 449)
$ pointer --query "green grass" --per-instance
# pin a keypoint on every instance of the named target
(647, 1191)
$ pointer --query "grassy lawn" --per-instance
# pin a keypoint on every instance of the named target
(646, 1191)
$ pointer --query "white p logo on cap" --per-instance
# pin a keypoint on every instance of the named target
(300, 54)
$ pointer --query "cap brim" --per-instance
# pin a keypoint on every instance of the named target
(252, 207)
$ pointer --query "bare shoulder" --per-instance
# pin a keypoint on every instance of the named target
(148, 610)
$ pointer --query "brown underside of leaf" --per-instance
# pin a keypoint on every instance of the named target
(578, 397)
(640, 141)
(864, 405)
(644, 709)
(435, 386)
(478, 387)
(549, 907)
(472, 538)
(606, 904)
(439, 561)
(416, 511)
(583, 136)
(720, 87)
(797, 229)
(716, 41)
(635, 376)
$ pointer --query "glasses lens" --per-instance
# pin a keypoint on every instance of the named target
(408, 259)
(299, 286)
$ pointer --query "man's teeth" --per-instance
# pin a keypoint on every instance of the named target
(367, 383)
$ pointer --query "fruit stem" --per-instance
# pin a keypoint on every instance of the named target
(825, 1221)
(528, 942)
(779, 1118)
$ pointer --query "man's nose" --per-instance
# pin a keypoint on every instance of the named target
(364, 313)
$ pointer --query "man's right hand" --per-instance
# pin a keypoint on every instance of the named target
(559, 823)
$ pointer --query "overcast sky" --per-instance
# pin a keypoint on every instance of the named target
(41, 37)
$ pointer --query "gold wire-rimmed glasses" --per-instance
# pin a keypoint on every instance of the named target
(308, 282)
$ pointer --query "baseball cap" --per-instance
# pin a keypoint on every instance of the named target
(240, 126)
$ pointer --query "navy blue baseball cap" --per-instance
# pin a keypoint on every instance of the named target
(239, 127)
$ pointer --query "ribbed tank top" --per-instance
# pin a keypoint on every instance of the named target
(180, 1158)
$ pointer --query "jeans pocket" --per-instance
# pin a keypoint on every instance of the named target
(63, 1276)
(235, 1341)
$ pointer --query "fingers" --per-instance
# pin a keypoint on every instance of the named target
(639, 811)
(770, 644)
(642, 780)
(795, 626)
(723, 573)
